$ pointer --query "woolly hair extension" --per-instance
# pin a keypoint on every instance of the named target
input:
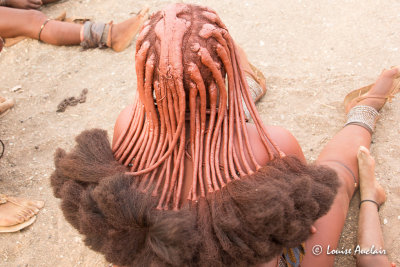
(116, 218)
(127, 200)
(248, 222)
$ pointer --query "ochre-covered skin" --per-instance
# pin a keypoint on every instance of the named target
(181, 76)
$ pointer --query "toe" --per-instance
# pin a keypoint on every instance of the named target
(25, 216)
(23, 212)
(390, 73)
(34, 204)
(363, 153)
(364, 157)
(38, 204)
(20, 219)
(28, 212)
(35, 210)
(31, 212)
(363, 149)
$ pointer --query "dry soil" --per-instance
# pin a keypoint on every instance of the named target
(312, 53)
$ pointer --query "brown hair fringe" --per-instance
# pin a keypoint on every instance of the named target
(126, 200)
(249, 221)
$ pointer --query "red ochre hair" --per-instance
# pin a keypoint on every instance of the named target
(126, 200)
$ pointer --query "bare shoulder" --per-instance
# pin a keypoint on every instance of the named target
(122, 122)
(280, 136)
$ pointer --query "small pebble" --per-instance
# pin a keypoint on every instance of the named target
(385, 221)
(16, 88)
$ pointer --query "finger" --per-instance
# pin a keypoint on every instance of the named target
(36, 2)
(34, 6)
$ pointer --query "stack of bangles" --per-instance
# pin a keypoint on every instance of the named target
(364, 116)
(3, 2)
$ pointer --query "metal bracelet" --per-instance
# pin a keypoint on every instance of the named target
(3, 2)
(364, 116)
(42, 27)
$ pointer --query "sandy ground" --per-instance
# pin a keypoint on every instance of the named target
(312, 53)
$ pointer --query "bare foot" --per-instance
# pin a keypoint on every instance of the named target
(382, 87)
(369, 186)
(122, 33)
(24, 4)
(17, 210)
(5, 104)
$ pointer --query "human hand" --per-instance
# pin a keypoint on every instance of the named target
(24, 4)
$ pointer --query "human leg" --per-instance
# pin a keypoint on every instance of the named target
(341, 155)
(124, 32)
(15, 22)
(15, 213)
(369, 231)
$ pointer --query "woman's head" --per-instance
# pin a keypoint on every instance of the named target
(184, 55)
(174, 40)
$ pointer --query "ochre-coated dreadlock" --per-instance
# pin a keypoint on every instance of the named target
(182, 56)
(128, 200)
